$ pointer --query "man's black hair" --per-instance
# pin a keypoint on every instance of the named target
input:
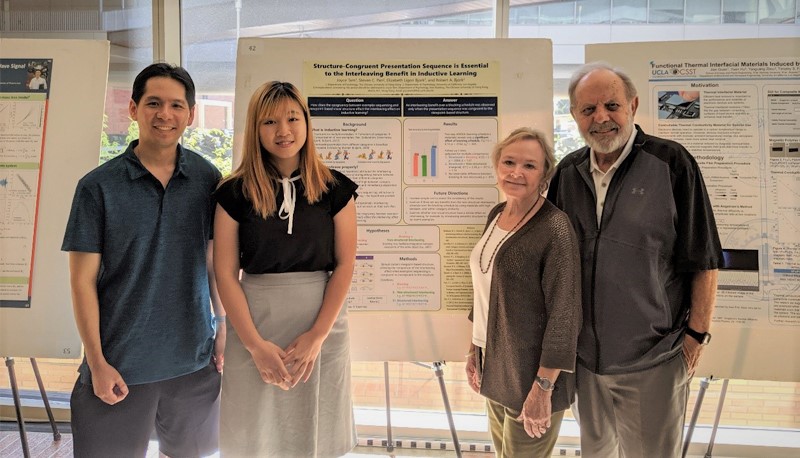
(161, 69)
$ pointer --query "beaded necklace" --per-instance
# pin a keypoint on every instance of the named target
(497, 247)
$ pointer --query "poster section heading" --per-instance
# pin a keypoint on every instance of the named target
(401, 69)
(739, 119)
(402, 78)
(406, 106)
(22, 77)
(777, 67)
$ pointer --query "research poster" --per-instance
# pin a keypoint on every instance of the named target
(413, 122)
(740, 118)
(51, 119)
(734, 105)
(416, 135)
(24, 94)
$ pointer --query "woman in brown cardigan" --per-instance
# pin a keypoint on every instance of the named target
(527, 310)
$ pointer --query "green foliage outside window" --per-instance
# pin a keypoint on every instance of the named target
(108, 148)
(214, 144)
(566, 143)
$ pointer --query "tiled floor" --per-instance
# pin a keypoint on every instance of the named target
(730, 442)
(42, 445)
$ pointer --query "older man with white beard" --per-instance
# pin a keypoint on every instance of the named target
(650, 253)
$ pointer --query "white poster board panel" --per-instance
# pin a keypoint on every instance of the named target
(73, 125)
(413, 122)
(734, 104)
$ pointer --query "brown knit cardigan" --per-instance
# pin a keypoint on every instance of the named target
(534, 310)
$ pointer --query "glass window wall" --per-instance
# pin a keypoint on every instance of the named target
(705, 12)
(557, 13)
(593, 11)
(778, 12)
(524, 15)
(629, 12)
(666, 12)
(740, 11)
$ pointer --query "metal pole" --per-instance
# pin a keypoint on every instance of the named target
(716, 418)
(23, 437)
(437, 369)
(696, 413)
(56, 433)
(389, 440)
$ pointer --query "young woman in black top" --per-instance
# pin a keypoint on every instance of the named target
(289, 222)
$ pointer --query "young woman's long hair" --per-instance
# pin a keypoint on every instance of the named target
(256, 171)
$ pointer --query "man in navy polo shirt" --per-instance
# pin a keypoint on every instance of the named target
(139, 243)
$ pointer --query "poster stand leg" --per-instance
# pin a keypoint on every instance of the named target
(12, 376)
(56, 434)
(23, 437)
(696, 413)
(717, 417)
(437, 369)
(439, 372)
(389, 440)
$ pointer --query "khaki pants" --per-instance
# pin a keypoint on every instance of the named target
(511, 440)
(633, 415)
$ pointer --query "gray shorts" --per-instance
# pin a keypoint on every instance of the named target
(183, 412)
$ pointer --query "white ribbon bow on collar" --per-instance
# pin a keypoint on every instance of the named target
(289, 197)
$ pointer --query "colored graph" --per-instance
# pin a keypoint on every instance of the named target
(424, 165)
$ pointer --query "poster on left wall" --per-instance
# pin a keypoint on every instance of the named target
(24, 95)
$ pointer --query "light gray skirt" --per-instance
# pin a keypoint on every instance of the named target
(313, 419)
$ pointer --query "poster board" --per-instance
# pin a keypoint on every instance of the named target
(739, 119)
(71, 124)
(413, 122)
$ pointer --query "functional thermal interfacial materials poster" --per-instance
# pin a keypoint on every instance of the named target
(740, 118)
(416, 136)
(24, 94)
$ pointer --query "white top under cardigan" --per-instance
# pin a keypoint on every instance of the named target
(482, 282)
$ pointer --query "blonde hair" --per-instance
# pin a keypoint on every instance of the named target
(258, 175)
(526, 133)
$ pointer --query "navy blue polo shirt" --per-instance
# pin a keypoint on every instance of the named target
(155, 317)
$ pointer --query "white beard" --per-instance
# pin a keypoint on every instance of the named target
(609, 145)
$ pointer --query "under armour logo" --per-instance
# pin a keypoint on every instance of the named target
(639, 191)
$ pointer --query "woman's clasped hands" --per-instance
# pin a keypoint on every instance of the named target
(268, 359)
(301, 355)
(286, 368)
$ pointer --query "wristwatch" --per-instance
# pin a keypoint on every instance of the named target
(544, 383)
(703, 337)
